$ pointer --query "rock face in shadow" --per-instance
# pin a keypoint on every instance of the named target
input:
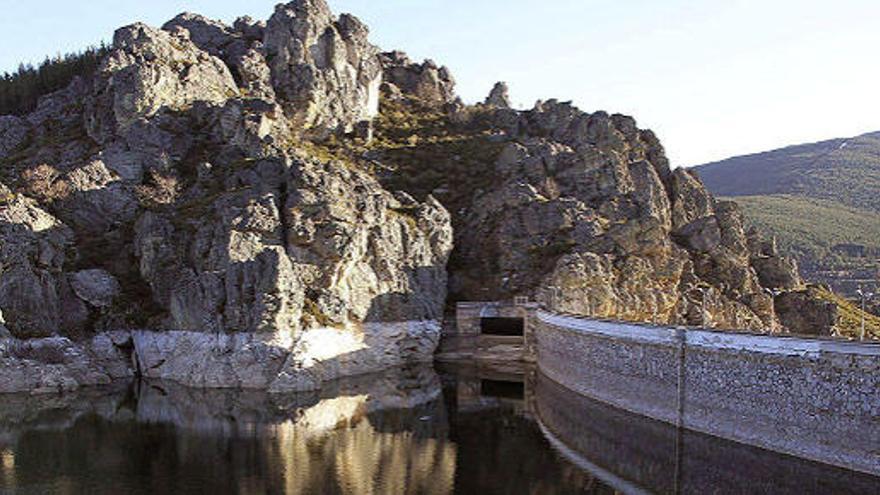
(32, 250)
(803, 313)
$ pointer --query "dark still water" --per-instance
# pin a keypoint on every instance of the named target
(413, 430)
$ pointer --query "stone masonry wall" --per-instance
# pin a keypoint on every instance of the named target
(817, 399)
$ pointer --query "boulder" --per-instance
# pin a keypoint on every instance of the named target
(95, 286)
(46, 366)
(250, 68)
(240, 47)
(210, 35)
(690, 199)
(149, 70)
(802, 313)
(499, 97)
(250, 29)
(325, 72)
(278, 363)
(778, 272)
(426, 81)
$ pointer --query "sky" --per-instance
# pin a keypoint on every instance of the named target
(713, 78)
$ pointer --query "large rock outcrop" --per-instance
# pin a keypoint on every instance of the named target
(426, 81)
(198, 210)
(151, 70)
(325, 71)
(300, 244)
(175, 190)
(587, 209)
(584, 212)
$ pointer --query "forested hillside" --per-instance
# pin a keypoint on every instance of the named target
(846, 171)
(815, 229)
(20, 90)
(820, 201)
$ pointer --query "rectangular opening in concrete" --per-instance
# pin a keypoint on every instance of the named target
(502, 326)
(502, 389)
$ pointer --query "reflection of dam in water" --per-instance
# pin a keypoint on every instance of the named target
(636, 454)
(803, 396)
(478, 429)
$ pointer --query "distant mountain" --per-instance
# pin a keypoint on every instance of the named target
(844, 170)
(821, 201)
(822, 234)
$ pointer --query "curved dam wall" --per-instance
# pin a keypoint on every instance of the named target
(816, 399)
(636, 454)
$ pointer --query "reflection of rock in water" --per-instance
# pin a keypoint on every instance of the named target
(376, 434)
(24, 412)
(361, 460)
(228, 412)
(359, 435)
(634, 452)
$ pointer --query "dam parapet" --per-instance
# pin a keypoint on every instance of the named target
(809, 397)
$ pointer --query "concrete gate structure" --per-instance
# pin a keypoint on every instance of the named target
(470, 335)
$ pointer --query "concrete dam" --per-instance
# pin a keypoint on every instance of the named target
(812, 398)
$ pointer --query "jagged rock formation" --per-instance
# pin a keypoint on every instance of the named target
(587, 205)
(499, 97)
(427, 82)
(583, 211)
(205, 186)
(325, 70)
(174, 191)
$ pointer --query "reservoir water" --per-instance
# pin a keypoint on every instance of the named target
(407, 431)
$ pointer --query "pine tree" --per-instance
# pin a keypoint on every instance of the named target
(21, 90)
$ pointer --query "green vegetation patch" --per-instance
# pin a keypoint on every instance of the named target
(849, 323)
(21, 90)
(425, 152)
(814, 230)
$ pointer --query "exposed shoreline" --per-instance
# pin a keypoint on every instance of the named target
(272, 362)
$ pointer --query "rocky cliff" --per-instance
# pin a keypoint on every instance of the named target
(581, 211)
(251, 205)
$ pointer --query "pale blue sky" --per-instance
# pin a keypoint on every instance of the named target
(712, 78)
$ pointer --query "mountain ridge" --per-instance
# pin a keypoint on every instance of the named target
(846, 170)
(817, 199)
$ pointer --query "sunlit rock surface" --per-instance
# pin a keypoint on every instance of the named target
(174, 190)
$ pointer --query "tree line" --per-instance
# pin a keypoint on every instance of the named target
(20, 90)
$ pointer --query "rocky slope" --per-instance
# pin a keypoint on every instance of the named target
(214, 203)
(584, 212)
(818, 199)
